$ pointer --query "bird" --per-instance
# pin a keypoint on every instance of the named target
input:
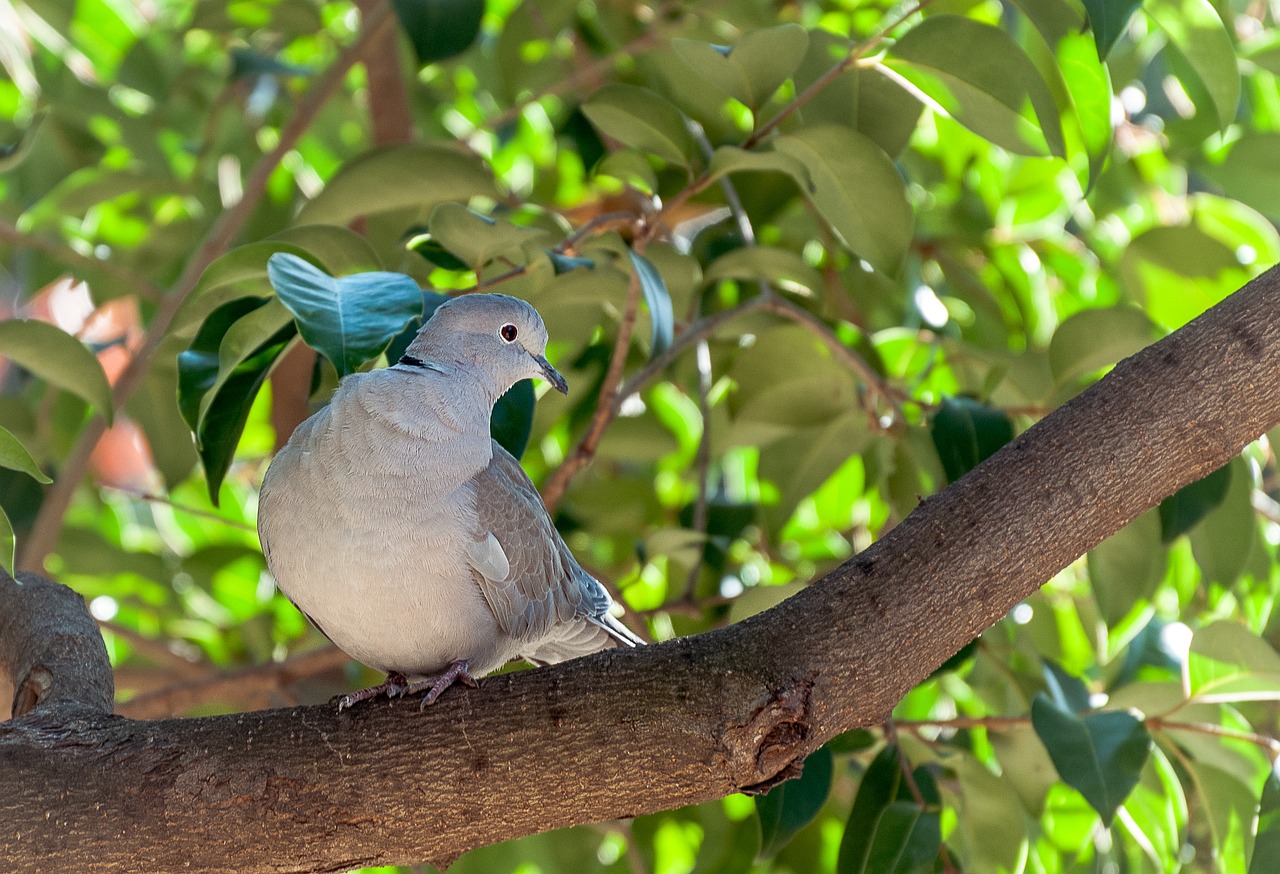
(414, 541)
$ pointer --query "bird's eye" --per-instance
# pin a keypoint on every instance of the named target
(508, 333)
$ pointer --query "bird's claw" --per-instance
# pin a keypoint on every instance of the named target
(456, 673)
(395, 686)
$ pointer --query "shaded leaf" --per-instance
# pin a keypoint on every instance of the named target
(13, 154)
(887, 831)
(1126, 568)
(1224, 538)
(949, 58)
(641, 119)
(397, 177)
(512, 419)
(58, 358)
(1181, 511)
(782, 268)
(857, 189)
(1101, 755)
(7, 543)
(731, 159)
(1067, 691)
(1094, 338)
(1198, 34)
(15, 456)
(439, 29)
(792, 805)
(966, 432)
(1266, 846)
(1107, 20)
(474, 238)
(658, 300)
(348, 319)
(753, 69)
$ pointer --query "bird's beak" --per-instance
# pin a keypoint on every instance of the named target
(551, 374)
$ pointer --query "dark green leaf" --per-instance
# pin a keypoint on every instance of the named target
(887, 831)
(431, 249)
(1180, 512)
(960, 658)
(512, 419)
(658, 300)
(966, 432)
(15, 456)
(1266, 846)
(431, 301)
(792, 805)
(349, 319)
(907, 839)
(439, 29)
(1101, 755)
(1107, 20)
(641, 119)
(219, 426)
(857, 189)
(1067, 691)
(249, 62)
(58, 358)
(1126, 568)
(855, 740)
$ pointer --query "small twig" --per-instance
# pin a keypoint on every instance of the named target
(702, 462)
(606, 407)
(65, 253)
(618, 218)
(904, 764)
(181, 508)
(48, 524)
(1270, 744)
(247, 684)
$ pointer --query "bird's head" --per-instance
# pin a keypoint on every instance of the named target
(501, 336)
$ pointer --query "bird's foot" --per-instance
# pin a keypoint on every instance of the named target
(395, 686)
(455, 673)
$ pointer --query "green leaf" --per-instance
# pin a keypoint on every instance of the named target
(1089, 87)
(219, 426)
(1196, 31)
(658, 300)
(792, 805)
(1066, 690)
(643, 120)
(1224, 539)
(478, 239)
(754, 68)
(348, 319)
(242, 341)
(15, 456)
(781, 268)
(731, 159)
(1227, 662)
(439, 29)
(980, 77)
(1181, 511)
(887, 831)
(631, 167)
(1107, 20)
(800, 463)
(966, 432)
(13, 154)
(1127, 567)
(414, 177)
(1229, 805)
(1095, 338)
(857, 189)
(1249, 172)
(1266, 846)
(1101, 755)
(58, 358)
(512, 420)
(7, 543)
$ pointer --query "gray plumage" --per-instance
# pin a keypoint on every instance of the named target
(408, 536)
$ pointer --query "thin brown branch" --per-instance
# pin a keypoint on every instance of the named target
(606, 406)
(245, 688)
(152, 498)
(48, 523)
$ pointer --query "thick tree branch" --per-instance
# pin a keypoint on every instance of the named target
(50, 648)
(626, 732)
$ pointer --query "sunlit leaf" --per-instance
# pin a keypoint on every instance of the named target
(1197, 32)
(58, 358)
(1101, 755)
(1266, 846)
(1227, 662)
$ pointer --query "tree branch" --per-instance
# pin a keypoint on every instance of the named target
(625, 732)
(50, 648)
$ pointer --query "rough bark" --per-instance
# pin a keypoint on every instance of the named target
(625, 733)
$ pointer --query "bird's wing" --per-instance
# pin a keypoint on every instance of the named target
(527, 575)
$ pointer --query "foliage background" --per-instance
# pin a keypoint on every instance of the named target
(795, 286)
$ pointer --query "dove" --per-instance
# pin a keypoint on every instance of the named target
(414, 541)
